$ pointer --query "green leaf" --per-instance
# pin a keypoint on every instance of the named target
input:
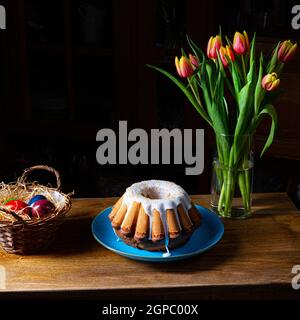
(226, 105)
(251, 74)
(220, 31)
(259, 91)
(206, 94)
(211, 74)
(186, 91)
(279, 68)
(197, 51)
(271, 111)
(216, 90)
(220, 125)
(218, 109)
(245, 97)
(272, 64)
(236, 79)
(229, 42)
(183, 53)
(243, 116)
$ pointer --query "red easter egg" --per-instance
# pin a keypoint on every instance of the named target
(19, 205)
(42, 208)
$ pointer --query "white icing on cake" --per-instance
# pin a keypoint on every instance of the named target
(161, 196)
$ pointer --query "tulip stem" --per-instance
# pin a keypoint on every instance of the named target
(279, 68)
(195, 92)
(244, 69)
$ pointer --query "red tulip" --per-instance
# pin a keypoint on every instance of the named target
(184, 67)
(286, 51)
(241, 43)
(194, 61)
(213, 45)
(270, 82)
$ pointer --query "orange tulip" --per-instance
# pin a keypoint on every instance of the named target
(286, 51)
(230, 53)
(213, 45)
(270, 82)
(226, 55)
(241, 43)
(184, 67)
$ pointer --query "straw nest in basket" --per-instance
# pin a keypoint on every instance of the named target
(25, 192)
(24, 233)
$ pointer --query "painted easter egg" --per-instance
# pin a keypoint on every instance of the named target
(10, 199)
(19, 205)
(42, 208)
(36, 198)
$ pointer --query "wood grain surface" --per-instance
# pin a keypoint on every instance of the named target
(253, 260)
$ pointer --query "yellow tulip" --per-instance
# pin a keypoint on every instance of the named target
(184, 67)
(214, 44)
(286, 51)
(270, 82)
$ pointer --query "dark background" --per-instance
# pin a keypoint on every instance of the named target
(69, 68)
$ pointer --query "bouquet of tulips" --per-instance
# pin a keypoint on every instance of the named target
(232, 88)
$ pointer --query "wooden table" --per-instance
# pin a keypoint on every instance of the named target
(253, 260)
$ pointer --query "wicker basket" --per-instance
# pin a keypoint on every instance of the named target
(23, 236)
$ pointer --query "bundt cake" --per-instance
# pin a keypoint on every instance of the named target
(155, 215)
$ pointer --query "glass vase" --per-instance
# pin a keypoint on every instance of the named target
(232, 177)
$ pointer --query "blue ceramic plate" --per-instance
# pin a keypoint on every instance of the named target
(203, 238)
